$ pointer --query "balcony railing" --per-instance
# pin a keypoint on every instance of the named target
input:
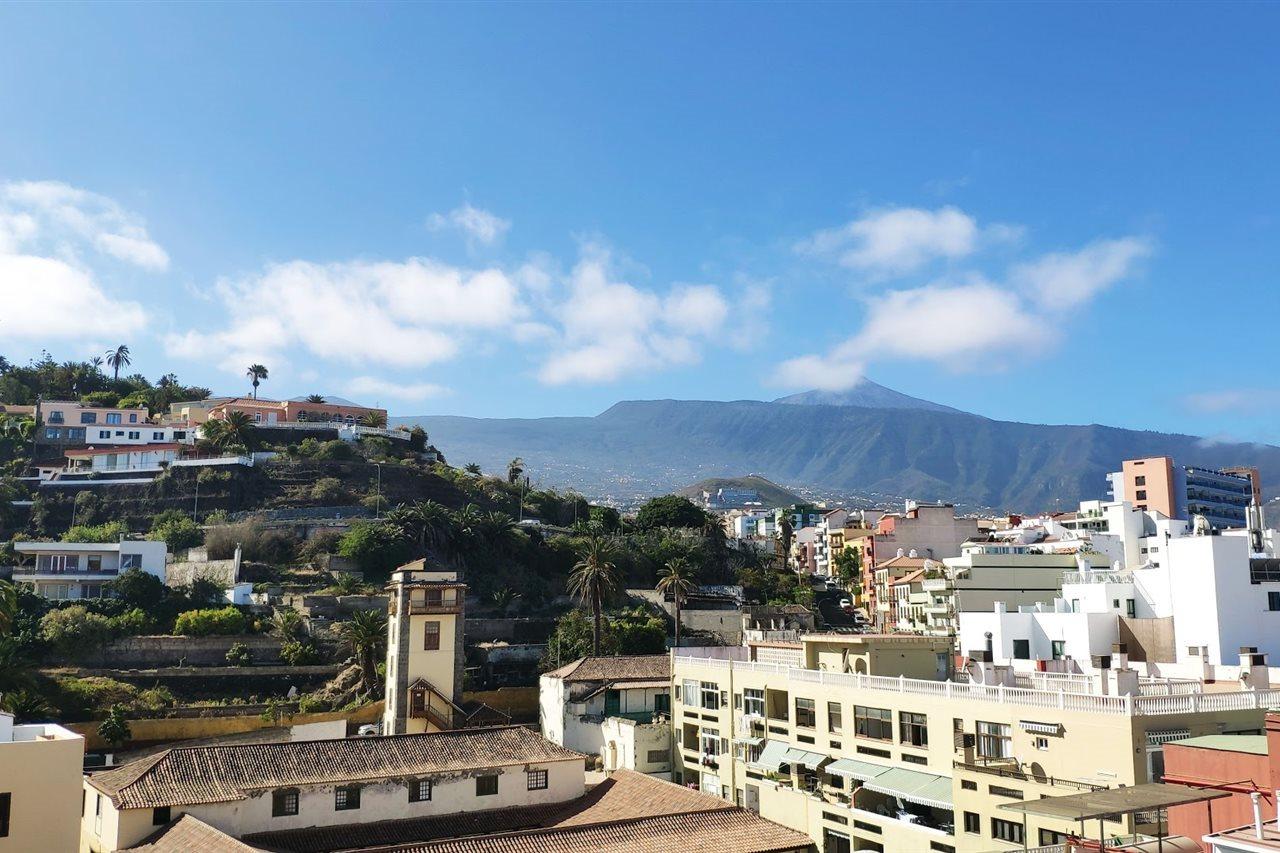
(1194, 703)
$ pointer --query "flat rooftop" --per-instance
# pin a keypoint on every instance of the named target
(1252, 744)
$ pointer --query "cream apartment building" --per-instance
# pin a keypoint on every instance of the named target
(899, 763)
(40, 779)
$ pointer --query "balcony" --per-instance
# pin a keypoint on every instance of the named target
(935, 584)
(431, 607)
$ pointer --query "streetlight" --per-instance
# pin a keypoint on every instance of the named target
(379, 464)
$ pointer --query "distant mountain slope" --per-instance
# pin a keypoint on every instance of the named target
(770, 492)
(651, 447)
(866, 394)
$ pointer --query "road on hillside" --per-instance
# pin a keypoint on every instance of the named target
(829, 606)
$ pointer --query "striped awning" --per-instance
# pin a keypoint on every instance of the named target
(925, 789)
(1156, 738)
(771, 757)
(862, 771)
(805, 758)
(1040, 728)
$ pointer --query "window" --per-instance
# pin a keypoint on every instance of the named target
(431, 636)
(1042, 743)
(161, 816)
(875, 723)
(104, 433)
(972, 823)
(133, 418)
(50, 432)
(994, 740)
(88, 417)
(113, 418)
(75, 433)
(486, 786)
(1058, 649)
(968, 785)
(536, 780)
(1140, 480)
(710, 695)
(134, 435)
(914, 759)
(662, 703)
(157, 436)
(1141, 495)
(55, 418)
(834, 717)
(179, 435)
(1000, 791)
(1273, 600)
(688, 689)
(1050, 837)
(656, 756)
(130, 561)
(1006, 830)
(420, 791)
(346, 797)
(284, 802)
(1130, 608)
(806, 716)
(753, 702)
(913, 729)
(6, 800)
(878, 753)
(1022, 649)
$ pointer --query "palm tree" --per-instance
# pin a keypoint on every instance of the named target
(676, 579)
(315, 398)
(366, 635)
(498, 530)
(514, 469)
(96, 363)
(288, 624)
(593, 579)
(8, 607)
(472, 468)
(118, 358)
(235, 428)
(504, 598)
(373, 419)
(257, 373)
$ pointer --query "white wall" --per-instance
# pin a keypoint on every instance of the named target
(1085, 634)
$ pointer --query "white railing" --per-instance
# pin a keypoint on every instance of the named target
(1169, 687)
(1192, 703)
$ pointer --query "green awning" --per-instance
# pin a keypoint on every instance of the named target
(926, 789)
(863, 771)
(771, 757)
(811, 760)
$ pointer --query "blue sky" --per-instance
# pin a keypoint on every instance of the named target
(1050, 213)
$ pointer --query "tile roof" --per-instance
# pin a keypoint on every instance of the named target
(191, 835)
(628, 811)
(618, 668)
(218, 774)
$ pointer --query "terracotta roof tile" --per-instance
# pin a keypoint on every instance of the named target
(618, 668)
(191, 835)
(214, 774)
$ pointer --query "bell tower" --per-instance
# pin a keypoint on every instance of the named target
(424, 650)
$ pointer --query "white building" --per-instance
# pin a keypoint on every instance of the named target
(576, 701)
(822, 556)
(41, 768)
(752, 525)
(73, 570)
(104, 460)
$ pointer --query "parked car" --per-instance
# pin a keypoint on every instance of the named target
(846, 605)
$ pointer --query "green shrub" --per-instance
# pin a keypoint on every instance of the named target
(155, 699)
(137, 588)
(204, 623)
(375, 547)
(75, 630)
(213, 475)
(311, 704)
(300, 653)
(328, 490)
(132, 623)
(239, 655)
(176, 529)
(258, 544)
(324, 542)
(111, 531)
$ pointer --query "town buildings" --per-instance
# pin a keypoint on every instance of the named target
(425, 656)
(1156, 483)
(77, 570)
(40, 780)
(616, 707)
(332, 410)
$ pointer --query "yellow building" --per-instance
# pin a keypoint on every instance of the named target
(889, 762)
(425, 655)
(41, 768)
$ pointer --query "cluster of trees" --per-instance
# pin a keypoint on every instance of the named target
(89, 381)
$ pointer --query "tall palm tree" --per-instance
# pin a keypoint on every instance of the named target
(498, 530)
(514, 469)
(594, 578)
(118, 358)
(257, 373)
(676, 579)
(472, 468)
(365, 633)
(235, 428)
(315, 398)
(96, 363)
(373, 419)
(503, 599)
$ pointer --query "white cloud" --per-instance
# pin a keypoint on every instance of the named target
(1067, 279)
(48, 298)
(480, 226)
(607, 329)
(411, 392)
(51, 211)
(1243, 401)
(972, 322)
(897, 240)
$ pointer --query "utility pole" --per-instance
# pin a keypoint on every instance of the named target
(379, 502)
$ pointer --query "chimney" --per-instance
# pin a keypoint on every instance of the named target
(901, 553)
(912, 553)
